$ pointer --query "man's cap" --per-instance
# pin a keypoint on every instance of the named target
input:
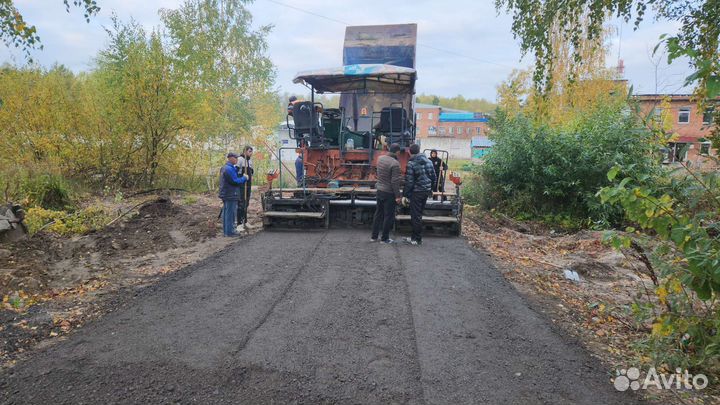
(414, 149)
(232, 154)
(293, 98)
(394, 148)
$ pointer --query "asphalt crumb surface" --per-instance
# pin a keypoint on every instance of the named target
(320, 318)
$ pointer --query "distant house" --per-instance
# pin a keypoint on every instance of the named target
(480, 147)
(691, 126)
(283, 139)
(449, 129)
(437, 121)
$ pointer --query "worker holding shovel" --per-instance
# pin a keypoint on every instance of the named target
(245, 167)
(440, 170)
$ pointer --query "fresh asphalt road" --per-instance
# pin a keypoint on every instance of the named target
(320, 317)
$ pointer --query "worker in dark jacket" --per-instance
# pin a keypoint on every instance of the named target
(419, 178)
(291, 105)
(389, 182)
(230, 182)
(440, 168)
(245, 167)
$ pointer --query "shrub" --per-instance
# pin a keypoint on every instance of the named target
(473, 189)
(541, 170)
(680, 214)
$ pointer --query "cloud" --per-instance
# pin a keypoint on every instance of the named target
(636, 47)
(465, 47)
(456, 54)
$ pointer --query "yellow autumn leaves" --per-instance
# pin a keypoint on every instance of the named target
(661, 326)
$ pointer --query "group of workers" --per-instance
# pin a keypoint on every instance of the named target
(423, 176)
(235, 188)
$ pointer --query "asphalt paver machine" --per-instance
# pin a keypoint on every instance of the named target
(339, 147)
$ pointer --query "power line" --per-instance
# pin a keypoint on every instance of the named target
(309, 12)
(465, 56)
(422, 45)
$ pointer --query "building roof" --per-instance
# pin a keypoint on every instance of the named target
(662, 96)
(462, 117)
(678, 97)
(445, 109)
(455, 115)
(423, 105)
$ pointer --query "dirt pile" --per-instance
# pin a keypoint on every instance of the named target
(47, 261)
(51, 284)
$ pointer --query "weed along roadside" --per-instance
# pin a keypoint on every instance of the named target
(598, 309)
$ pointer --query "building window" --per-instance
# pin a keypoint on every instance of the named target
(452, 130)
(478, 130)
(684, 115)
(419, 116)
(442, 131)
(430, 115)
(418, 129)
(459, 130)
(657, 115)
(708, 116)
(705, 148)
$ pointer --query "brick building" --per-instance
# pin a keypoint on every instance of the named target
(457, 132)
(437, 121)
(692, 126)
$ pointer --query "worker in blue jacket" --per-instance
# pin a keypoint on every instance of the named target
(230, 192)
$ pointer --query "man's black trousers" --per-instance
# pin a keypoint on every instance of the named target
(384, 215)
(417, 205)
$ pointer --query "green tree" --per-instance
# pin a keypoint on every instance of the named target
(224, 59)
(574, 90)
(151, 112)
(148, 97)
(15, 31)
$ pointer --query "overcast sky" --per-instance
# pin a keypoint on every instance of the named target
(464, 47)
